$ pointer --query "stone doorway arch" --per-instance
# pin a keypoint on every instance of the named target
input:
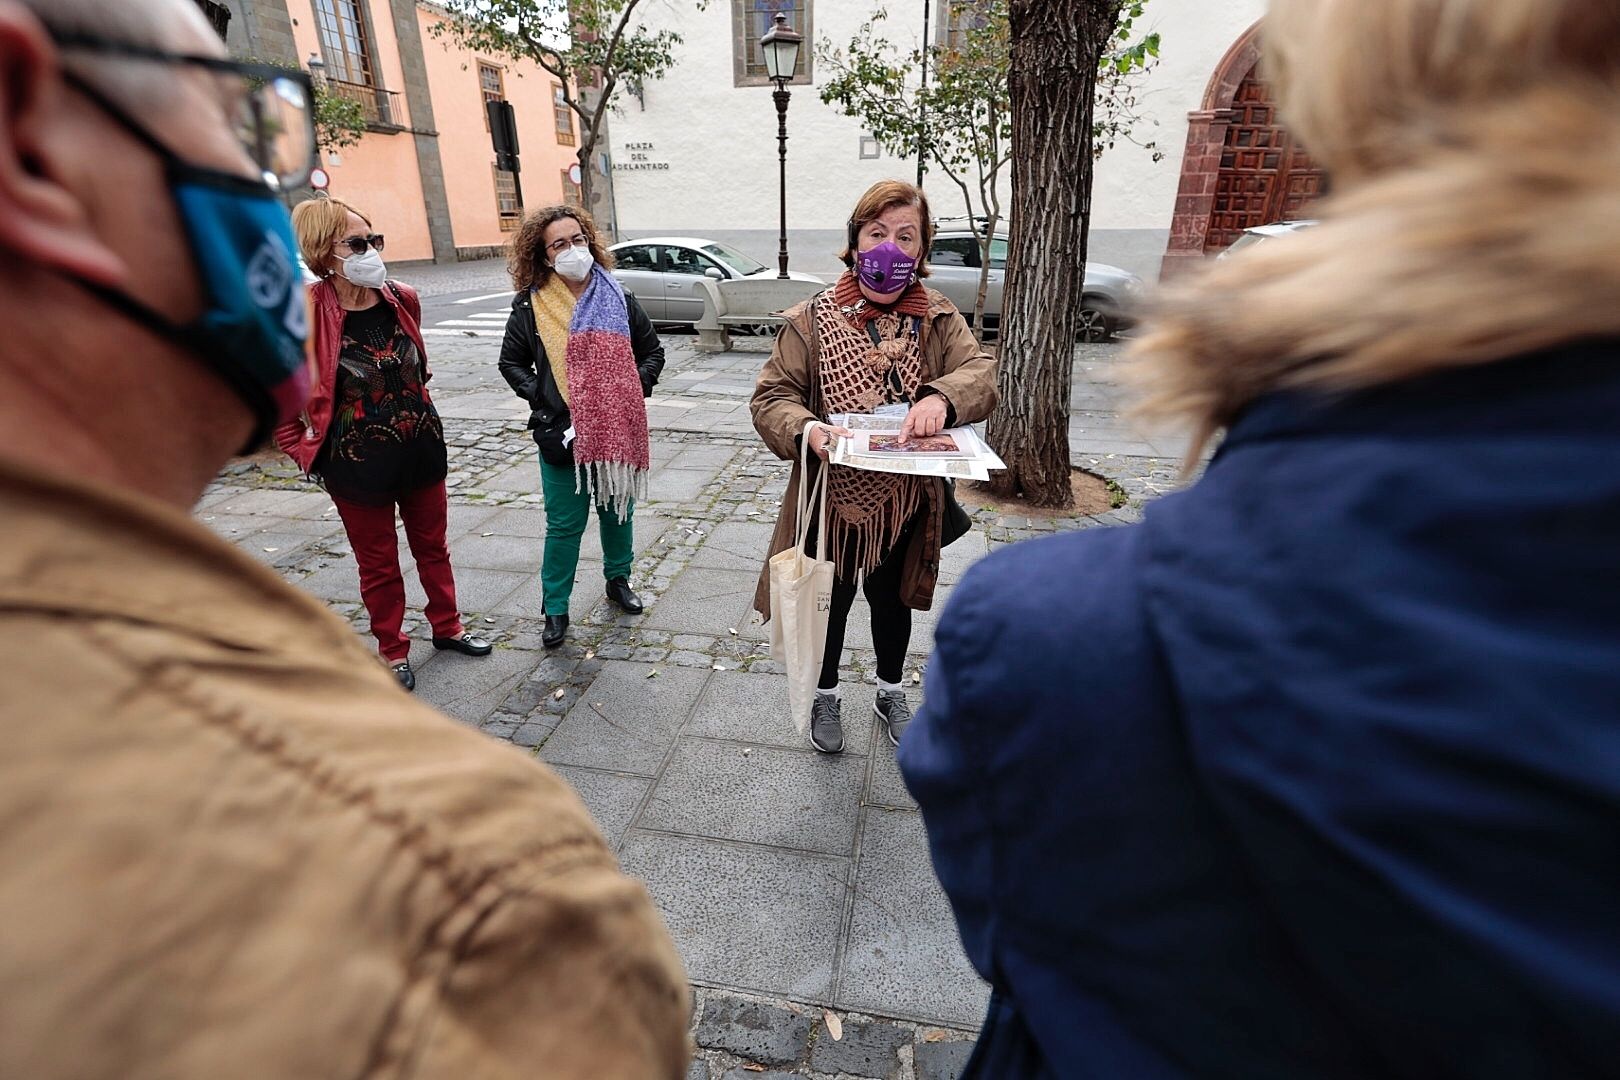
(1242, 167)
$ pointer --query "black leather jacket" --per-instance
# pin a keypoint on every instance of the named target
(527, 370)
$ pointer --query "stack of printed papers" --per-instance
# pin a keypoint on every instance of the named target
(957, 453)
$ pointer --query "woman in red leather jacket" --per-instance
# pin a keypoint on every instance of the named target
(370, 434)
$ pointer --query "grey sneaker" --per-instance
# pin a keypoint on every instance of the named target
(895, 712)
(827, 725)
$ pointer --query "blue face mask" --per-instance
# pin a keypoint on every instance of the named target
(252, 330)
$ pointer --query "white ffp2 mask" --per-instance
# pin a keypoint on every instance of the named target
(575, 264)
(367, 270)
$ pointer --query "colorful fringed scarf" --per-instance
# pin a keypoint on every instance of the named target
(603, 391)
(868, 356)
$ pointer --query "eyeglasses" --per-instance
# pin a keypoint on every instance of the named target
(271, 109)
(358, 244)
(557, 247)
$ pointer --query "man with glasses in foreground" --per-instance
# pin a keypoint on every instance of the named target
(229, 844)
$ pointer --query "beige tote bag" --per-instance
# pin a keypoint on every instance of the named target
(801, 595)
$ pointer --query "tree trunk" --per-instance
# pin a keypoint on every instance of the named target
(1057, 47)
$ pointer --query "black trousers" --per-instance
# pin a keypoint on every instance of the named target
(891, 620)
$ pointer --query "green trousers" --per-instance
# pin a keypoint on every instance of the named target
(566, 513)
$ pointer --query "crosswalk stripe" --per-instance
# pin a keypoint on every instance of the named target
(489, 296)
(465, 333)
(480, 324)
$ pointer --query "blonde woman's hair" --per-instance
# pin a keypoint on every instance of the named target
(320, 223)
(1474, 147)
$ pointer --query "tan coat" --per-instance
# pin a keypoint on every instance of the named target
(787, 397)
(231, 846)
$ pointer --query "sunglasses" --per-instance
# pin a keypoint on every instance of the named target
(358, 244)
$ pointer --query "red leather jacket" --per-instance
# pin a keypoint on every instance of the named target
(300, 438)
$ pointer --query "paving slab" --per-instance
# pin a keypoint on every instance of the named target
(475, 551)
(785, 798)
(478, 592)
(612, 798)
(516, 521)
(753, 708)
(465, 517)
(269, 547)
(648, 529)
(699, 601)
(955, 560)
(888, 787)
(712, 458)
(943, 1060)
(527, 601)
(758, 919)
(627, 721)
(469, 688)
(904, 956)
(764, 1034)
(521, 479)
(735, 545)
(261, 501)
(671, 485)
(865, 1049)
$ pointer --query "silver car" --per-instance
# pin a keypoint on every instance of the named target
(659, 271)
(1261, 234)
(1106, 304)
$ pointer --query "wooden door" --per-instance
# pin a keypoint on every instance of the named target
(1265, 177)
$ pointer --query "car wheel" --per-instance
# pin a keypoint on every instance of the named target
(1095, 324)
(762, 329)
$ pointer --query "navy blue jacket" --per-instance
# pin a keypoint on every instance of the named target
(1316, 772)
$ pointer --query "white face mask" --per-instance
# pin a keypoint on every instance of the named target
(574, 264)
(367, 271)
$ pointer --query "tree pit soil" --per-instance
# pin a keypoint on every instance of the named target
(1093, 495)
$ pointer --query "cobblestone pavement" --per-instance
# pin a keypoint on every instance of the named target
(794, 883)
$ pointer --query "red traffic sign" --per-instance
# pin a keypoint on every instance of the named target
(319, 180)
(573, 174)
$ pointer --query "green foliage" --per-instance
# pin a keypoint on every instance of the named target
(339, 121)
(962, 118)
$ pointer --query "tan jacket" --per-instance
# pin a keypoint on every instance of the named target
(787, 396)
(231, 846)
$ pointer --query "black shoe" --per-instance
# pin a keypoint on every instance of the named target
(406, 677)
(895, 712)
(827, 725)
(466, 644)
(556, 630)
(618, 591)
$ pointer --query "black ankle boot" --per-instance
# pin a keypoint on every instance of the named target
(556, 630)
(618, 591)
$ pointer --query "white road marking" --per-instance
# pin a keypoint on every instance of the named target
(465, 333)
(488, 296)
(480, 324)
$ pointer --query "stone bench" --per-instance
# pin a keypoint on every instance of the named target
(749, 302)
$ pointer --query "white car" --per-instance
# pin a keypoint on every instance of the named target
(659, 272)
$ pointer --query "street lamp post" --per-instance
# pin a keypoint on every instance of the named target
(781, 48)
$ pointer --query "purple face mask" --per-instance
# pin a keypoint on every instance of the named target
(885, 269)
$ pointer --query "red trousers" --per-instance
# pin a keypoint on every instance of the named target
(376, 550)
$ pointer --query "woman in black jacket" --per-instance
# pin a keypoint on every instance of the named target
(584, 355)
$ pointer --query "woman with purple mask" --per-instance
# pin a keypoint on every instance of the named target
(877, 338)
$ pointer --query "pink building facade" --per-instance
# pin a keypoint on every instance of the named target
(424, 170)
